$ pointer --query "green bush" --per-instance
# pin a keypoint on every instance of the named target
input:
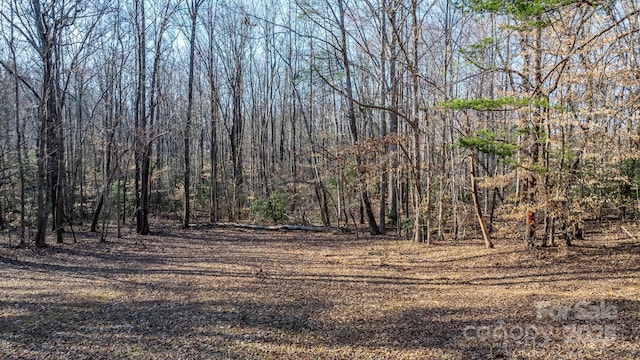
(407, 226)
(271, 208)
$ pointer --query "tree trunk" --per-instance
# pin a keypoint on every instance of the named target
(394, 212)
(107, 174)
(530, 228)
(51, 145)
(19, 134)
(141, 152)
(531, 182)
(41, 202)
(213, 200)
(54, 140)
(193, 12)
(214, 108)
(145, 120)
(384, 174)
(235, 138)
(419, 234)
(96, 213)
(351, 116)
(476, 203)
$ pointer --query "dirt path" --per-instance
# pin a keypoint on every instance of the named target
(230, 294)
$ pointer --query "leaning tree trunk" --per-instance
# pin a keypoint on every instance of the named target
(476, 203)
(108, 178)
(373, 226)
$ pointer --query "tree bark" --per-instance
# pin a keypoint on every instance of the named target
(41, 182)
(373, 226)
(214, 109)
(419, 233)
(51, 145)
(235, 138)
(141, 142)
(394, 212)
(476, 204)
(193, 12)
(19, 134)
(384, 174)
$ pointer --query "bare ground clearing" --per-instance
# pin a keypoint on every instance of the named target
(231, 294)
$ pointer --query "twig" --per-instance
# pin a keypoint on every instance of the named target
(628, 233)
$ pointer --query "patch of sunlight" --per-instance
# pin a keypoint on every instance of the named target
(98, 295)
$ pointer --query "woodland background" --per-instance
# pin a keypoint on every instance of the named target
(438, 118)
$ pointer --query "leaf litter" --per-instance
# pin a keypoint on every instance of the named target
(231, 294)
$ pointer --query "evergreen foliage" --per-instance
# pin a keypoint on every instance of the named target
(518, 9)
(493, 104)
(488, 142)
(271, 208)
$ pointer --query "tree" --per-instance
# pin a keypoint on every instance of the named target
(146, 102)
(18, 124)
(555, 38)
(51, 19)
(348, 88)
(336, 114)
(142, 146)
(111, 86)
(486, 142)
(214, 111)
(194, 6)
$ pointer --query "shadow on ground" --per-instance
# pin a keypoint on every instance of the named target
(231, 296)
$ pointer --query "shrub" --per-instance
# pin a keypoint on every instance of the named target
(271, 208)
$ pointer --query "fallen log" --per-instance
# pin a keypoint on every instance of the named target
(271, 227)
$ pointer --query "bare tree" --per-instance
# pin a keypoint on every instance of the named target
(50, 20)
(194, 6)
(18, 124)
(146, 102)
(348, 86)
(214, 110)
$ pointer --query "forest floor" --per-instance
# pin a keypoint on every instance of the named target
(213, 293)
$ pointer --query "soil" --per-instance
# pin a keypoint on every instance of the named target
(223, 293)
